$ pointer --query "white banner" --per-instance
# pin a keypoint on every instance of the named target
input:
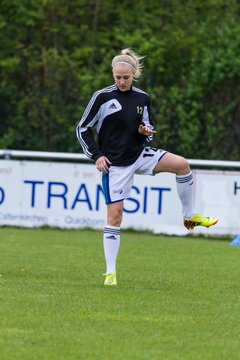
(69, 195)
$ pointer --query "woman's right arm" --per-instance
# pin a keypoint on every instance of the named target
(84, 131)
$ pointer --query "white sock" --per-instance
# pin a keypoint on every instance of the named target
(185, 193)
(111, 243)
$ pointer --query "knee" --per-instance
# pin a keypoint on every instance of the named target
(115, 217)
(183, 166)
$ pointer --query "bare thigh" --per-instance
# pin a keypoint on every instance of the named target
(172, 163)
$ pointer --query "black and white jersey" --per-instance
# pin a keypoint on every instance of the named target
(117, 116)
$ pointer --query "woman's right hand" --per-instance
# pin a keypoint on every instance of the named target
(144, 130)
(102, 164)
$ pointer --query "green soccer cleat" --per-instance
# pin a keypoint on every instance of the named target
(111, 279)
(199, 220)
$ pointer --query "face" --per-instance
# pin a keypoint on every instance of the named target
(123, 76)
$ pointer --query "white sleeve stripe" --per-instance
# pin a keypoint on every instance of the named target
(82, 142)
(139, 90)
(80, 129)
(145, 118)
(149, 138)
(147, 122)
(89, 107)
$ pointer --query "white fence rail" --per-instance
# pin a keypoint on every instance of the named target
(8, 154)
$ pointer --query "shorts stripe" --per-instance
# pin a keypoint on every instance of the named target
(105, 184)
(162, 155)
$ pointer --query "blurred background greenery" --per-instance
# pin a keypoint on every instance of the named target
(56, 53)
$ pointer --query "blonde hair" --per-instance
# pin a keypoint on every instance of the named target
(128, 57)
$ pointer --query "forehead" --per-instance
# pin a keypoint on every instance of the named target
(123, 70)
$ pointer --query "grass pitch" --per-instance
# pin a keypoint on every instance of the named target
(177, 297)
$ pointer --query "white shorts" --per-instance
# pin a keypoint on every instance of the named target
(117, 183)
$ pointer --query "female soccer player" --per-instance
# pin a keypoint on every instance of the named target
(122, 116)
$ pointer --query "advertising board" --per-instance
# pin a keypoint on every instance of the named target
(69, 195)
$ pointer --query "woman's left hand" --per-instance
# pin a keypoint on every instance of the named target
(144, 130)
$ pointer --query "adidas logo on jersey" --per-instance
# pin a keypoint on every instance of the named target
(112, 106)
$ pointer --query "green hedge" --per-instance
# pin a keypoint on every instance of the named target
(55, 53)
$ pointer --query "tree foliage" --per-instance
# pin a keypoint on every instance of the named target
(55, 53)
